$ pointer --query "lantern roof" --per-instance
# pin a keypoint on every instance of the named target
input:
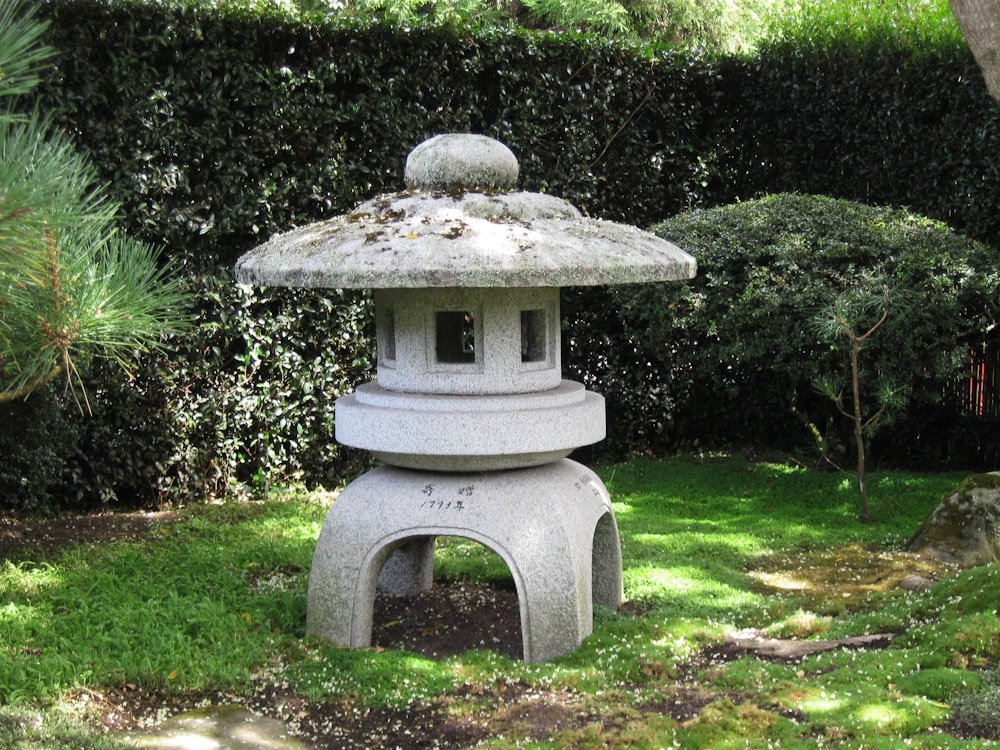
(461, 224)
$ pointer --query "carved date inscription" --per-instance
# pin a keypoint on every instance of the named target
(585, 483)
(438, 498)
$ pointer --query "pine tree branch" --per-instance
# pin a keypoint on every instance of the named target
(26, 389)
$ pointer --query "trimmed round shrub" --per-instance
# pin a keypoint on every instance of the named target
(737, 347)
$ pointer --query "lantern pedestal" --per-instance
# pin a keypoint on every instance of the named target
(553, 526)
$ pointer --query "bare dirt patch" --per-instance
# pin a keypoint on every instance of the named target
(450, 619)
(25, 537)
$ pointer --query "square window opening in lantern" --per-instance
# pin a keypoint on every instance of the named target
(534, 335)
(386, 332)
(455, 336)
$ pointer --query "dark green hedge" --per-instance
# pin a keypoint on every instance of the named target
(869, 121)
(216, 129)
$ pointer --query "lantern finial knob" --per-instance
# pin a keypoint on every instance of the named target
(461, 162)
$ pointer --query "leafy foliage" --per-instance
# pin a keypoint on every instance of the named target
(36, 439)
(603, 16)
(845, 22)
(216, 127)
(868, 106)
(72, 287)
(255, 389)
(735, 348)
(715, 24)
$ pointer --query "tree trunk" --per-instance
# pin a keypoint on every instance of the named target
(980, 24)
(859, 431)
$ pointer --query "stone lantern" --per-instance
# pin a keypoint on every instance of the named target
(470, 417)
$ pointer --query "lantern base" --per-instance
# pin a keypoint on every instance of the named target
(552, 525)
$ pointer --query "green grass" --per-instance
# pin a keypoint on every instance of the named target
(23, 729)
(214, 603)
(190, 609)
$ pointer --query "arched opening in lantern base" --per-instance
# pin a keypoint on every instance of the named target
(438, 619)
(471, 604)
(553, 527)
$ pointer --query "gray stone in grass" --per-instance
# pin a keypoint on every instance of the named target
(965, 527)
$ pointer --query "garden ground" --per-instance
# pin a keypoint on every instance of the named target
(712, 549)
(449, 619)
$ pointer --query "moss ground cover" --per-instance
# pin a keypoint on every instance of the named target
(209, 606)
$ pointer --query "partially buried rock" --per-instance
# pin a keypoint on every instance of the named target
(915, 582)
(965, 528)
